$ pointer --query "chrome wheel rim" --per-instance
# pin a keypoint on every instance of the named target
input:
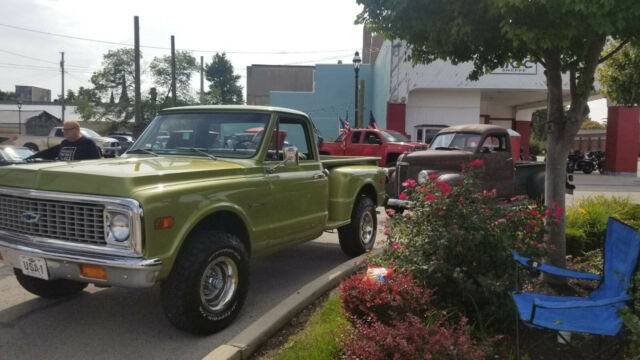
(219, 283)
(366, 228)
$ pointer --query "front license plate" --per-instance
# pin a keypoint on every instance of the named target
(34, 266)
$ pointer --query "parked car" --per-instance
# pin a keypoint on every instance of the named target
(108, 146)
(10, 154)
(385, 144)
(462, 144)
(187, 212)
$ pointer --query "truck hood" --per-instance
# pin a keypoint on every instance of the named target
(118, 176)
(438, 160)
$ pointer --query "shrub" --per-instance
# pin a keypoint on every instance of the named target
(395, 298)
(458, 240)
(576, 241)
(590, 218)
(393, 320)
(410, 338)
(631, 318)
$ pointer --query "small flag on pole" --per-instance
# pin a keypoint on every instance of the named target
(372, 121)
(347, 128)
(340, 126)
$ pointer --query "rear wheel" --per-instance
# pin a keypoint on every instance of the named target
(587, 168)
(208, 284)
(569, 168)
(360, 235)
(49, 289)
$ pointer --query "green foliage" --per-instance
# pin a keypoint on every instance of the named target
(590, 125)
(539, 125)
(620, 76)
(317, 341)
(587, 221)
(186, 65)
(7, 96)
(631, 319)
(117, 74)
(537, 147)
(223, 87)
(459, 241)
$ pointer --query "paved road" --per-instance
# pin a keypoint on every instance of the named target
(129, 324)
(596, 184)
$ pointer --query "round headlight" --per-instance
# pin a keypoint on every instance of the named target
(423, 176)
(119, 225)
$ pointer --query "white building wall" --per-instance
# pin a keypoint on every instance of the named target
(442, 107)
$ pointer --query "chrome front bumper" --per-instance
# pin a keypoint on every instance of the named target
(63, 264)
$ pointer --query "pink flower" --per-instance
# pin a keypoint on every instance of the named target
(461, 200)
(387, 232)
(476, 162)
(409, 183)
(533, 223)
(441, 212)
(534, 213)
(394, 246)
(429, 197)
(545, 239)
(444, 187)
(390, 212)
(535, 243)
(527, 230)
(433, 176)
(403, 195)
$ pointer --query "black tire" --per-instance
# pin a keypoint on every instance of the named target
(587, 168)
(360, 235)
(215, 258)
(32, 147)
(49, 289)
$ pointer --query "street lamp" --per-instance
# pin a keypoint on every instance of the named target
(19, 103)
(356, 67)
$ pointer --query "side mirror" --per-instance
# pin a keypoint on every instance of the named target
(485, 150)
(291, 157)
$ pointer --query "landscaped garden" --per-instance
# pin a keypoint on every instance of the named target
(439, 289)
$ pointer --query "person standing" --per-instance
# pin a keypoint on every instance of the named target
(75, 146)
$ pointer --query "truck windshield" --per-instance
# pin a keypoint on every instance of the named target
(394, 136)
(232, 135)
(455, 141)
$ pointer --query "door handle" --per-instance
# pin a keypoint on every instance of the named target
(318, 176)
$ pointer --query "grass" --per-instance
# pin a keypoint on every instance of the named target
(317, 340)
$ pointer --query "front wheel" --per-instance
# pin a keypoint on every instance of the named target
(49, 289)
(360, 235)
(587, 168)
(208, 284)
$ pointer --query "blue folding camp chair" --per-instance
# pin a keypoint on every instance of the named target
(596, 313)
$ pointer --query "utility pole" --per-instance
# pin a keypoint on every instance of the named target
(173, 70)
(137, 125)
(201, 80)
(62, 73)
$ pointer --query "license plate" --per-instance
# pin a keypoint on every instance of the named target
(34, 266)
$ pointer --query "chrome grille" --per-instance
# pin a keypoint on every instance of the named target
(53, 219)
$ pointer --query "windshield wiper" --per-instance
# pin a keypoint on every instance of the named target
(199, 150)
(144, 151)
(446, 148)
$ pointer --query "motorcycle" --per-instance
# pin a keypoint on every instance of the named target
(579, 161)
(598, 158)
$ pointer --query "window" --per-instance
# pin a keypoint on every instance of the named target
(290, 132)
(371, 138)
(355, 138)
(495, 143)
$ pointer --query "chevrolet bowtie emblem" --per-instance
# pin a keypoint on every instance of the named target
(30, 217)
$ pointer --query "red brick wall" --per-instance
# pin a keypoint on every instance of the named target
(396, 115)
(524, 129)
(623, 128)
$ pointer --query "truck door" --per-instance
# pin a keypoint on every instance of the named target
(498, 162)
(298, 196)
(352, 147)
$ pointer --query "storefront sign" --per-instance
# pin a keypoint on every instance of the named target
(527, 68)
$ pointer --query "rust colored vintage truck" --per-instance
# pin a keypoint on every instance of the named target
(456, 145)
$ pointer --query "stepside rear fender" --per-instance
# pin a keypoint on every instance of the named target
(348, 182)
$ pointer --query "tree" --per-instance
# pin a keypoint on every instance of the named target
(223, 87)
(565, 37)
(7, 96)
(620, 76)
(186, 65)
(117, 73)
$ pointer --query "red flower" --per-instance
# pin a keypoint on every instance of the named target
(441, 212)
(476, 162)
(535, 243)
(390, 212)
(533, 223)
(394, 246)
(534, 213)
(444, 187)
(429, 197)
(403, 195)
(433, 176)
(387, 232)
(409, 183)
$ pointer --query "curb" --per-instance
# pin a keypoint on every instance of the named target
(250, 339)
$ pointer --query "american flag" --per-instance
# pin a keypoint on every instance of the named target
(372, 121)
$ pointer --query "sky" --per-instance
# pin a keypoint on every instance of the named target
(33, 33)
(296, 32)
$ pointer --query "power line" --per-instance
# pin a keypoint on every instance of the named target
(37, 59)
(166, 48)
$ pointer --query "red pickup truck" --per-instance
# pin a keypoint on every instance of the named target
(385, 144)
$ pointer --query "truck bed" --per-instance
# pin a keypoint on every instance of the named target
(329, 161)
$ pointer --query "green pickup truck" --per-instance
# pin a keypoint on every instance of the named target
(201, 191)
